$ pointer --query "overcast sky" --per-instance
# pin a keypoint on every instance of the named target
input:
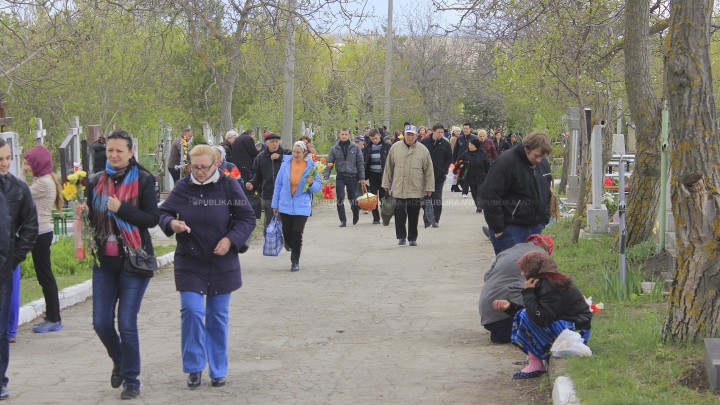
(380, 9)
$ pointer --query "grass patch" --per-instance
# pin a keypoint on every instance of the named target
(630, 365)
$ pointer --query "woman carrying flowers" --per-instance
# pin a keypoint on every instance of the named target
(296, 182)
(473, 165)
(122, 206)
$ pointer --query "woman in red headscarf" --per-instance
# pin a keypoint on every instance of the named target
(551, 304)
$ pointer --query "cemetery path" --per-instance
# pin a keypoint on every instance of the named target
(365, 321)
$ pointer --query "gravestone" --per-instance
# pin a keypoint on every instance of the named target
(597, 215)
(573, 183)
(14, 143)
(618, 145)
(631, 144)
(40, 133)
(712, 362)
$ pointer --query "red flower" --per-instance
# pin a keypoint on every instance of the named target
(608, 181)
(83, 182)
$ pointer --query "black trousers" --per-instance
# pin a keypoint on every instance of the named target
(436, 197)
(407, 209)
(44, 274)
(174, 173)
(500, 331)
(351, 183)
(475, 191)
(464, 185)
(293, 227)
(375, 180)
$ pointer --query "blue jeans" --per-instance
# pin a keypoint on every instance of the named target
(113, 287)
(14, 314)
(341, 183)
(512, 235)
(204, 325)
(6, 291)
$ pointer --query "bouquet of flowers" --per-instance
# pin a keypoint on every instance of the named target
(184, 165)
(460, 170)
(74, 190)
(328, 193)
(313, 171)
(235, 173)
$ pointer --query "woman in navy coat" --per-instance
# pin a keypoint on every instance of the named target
(207, 267)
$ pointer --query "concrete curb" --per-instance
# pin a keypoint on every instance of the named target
(564, 392)
(73, 295)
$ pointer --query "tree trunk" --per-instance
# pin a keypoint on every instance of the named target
(226, 100)
(694, 310)
(644, 188)
(580, 213)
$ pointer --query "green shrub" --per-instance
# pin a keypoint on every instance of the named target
(64, 263)
(639, 254)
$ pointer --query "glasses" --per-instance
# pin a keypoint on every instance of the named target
(203, 169)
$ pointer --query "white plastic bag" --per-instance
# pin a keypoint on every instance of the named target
(570, 343)
(451, 180)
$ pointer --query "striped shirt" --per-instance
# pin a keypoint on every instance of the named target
(375, 162)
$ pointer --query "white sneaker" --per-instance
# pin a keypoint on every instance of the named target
(464, 195)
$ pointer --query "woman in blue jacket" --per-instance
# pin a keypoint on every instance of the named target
(296, 182)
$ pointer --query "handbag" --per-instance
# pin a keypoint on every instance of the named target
(140, 265)
(234, 219)
(274, 240)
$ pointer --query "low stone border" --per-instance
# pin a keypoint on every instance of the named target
(73, 295)
(563, 392)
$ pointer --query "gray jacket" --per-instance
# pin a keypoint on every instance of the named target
(353, 165)
(503, 282)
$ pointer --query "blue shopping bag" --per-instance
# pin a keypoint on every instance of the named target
(274, 240)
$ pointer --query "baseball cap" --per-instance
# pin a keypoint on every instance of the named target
(411, 128)
(359, 138)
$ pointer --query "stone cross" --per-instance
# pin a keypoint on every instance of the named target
(76, 130)
(573, 182)
(597, 215)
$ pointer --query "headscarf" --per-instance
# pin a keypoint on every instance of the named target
(39, 160)
(544, 241)
(304, 148)
(223, 154)
(536, 264)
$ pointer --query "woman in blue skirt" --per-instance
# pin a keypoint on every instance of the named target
(552, 303)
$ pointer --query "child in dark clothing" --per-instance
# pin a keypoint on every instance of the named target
(552, 303)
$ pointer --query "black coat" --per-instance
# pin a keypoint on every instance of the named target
(5, 224)
(514, 193)
(22, 229)
(243, 152)
(383, 156)
(461, 145)
(500, 146)
(442, 156)
(144, 216)
(228, 150)
(266, 171)
(99, 157)
(544, 305)
(477, 165)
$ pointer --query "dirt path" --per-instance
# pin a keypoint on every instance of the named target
(364, 322)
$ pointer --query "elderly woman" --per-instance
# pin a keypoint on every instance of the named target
(221, 159)
(209, 232)
(293, 200)
(122, 206)
(551, 304)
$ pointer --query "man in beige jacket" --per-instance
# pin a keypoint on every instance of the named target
(409, 173)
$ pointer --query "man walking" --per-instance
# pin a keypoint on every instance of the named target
(488, 145)
(375, 155)
(409, 171)
(266, 167)
(347, 159)
(177, 154)
(22, 233)
(461, 145)
(441, 155)
(230, 137)
(243, 152)
(516, 195)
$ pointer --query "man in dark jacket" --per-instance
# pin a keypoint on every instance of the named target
(441, 155)
(374, 157)
(516, 194)
(500, 142)
(230, 138)
(347, 159)
(99, 155)
(266, 167)
(22, 233)
(461, 145)
(243, 152)
(177, 154)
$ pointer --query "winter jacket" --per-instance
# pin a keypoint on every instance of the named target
(477, 166)
(441, 155)
(544, 305)
(489, 148)
(461, 145)
(197, 268)
(516, 194)
(409, 171)
(228, 150)
(501, 145)
(5, 225)
(383, 155)
(99, 157)
(144, 216)
(176, 152)
(266, 171)
(352, 165)
(243, 152)
(301, 202)
(503, 281)
(23, 229)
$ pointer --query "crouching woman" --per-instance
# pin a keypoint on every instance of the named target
(552, 303)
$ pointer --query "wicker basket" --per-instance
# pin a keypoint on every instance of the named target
(367, 201)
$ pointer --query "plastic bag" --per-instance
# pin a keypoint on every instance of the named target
(429, 214)
(387, 209)
(451, 179)
(274, 240)
(570, 343)
(78, 229)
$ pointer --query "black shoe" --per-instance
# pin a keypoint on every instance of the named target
(401, 242)
(436, 225)
(356, 218)
(294, 267)
(486, 231)
(115, 378)
(217, 382)
(130, 393)
(4, 394)
(287, 247)
(194, 380)
(342, 224)
(413, 243)
(478, 210)
(376, 222)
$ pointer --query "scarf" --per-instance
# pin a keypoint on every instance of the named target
(306, 150)
(127, 192)
(212, 179)
(535, 264)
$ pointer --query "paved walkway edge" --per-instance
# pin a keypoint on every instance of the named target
(564, 392)
(73, 295)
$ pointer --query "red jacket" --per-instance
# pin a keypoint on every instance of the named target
(489, 147)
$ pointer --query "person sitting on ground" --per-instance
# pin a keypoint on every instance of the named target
(551, 304)
(476, 169)
(504, 280)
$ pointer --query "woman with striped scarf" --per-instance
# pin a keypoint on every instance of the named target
(122, 206)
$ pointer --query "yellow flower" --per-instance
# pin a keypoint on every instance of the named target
(81, 174)
(69, 191)
(73, 178)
